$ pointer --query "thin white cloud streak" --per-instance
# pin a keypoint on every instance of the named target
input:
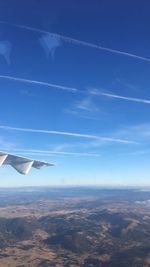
(85, 108)
(86, 104)
(88, 136)
(139, 153)
(51, 85)
(140, 132)
(5, 144)
(73, 90)
(133, 99)
(52, 152)
(79, 42)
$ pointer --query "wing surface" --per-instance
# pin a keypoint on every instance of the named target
(21, 164)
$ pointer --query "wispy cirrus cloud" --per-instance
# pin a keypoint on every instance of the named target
(139, 152)
(119, 97)
(79, 42)
(5, 144)
(127, 85)
(50, 44)
(140, 132)
(35, 82)
(81, 135)
(84, 108)
(5, 50)
(27, 93)
(86, 104)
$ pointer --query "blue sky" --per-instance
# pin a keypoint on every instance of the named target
(74, 90)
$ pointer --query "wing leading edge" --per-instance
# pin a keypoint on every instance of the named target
(21, 164)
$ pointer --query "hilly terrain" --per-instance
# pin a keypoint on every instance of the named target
(87, 227)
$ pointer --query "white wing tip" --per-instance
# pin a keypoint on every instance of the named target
(21, 164)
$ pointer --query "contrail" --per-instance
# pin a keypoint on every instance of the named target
(72, 89)
(78, 42)
(51, 85)
(139, 100)
(88, 136)
(51, 152)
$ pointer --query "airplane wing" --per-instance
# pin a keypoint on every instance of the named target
(21, 164)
